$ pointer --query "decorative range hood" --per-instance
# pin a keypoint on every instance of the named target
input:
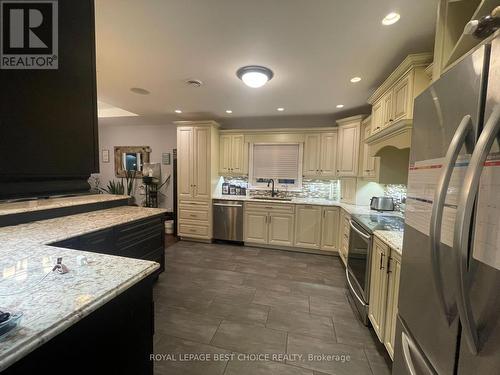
(397, 135)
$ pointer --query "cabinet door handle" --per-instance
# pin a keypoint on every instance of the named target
(382, 261)
(270, 217)
(389, 270)
(324, 214)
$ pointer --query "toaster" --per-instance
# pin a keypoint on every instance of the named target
(382, 203)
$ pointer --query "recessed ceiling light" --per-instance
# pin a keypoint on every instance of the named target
(355, 79)
(340, 106)
(178, 111)
(254, 76)
(281, 109)
(229, 111)
(391, 19)
(140, 91)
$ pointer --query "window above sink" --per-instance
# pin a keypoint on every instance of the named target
(281, 162)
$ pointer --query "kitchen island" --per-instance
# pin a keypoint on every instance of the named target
(97, 318)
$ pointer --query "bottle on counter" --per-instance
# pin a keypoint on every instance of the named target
(232, 190)
(225, 188)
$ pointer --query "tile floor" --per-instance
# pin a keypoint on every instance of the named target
(250, 311)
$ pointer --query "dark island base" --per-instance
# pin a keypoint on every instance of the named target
(117, 338)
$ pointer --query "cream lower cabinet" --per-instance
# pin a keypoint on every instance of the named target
(197, 155)
(394, 270)
(316, 227)
(384, 292)
(378, 287)
(308, 226)
(268, 224)
(344, 231)
(329, 228)
(281, 228)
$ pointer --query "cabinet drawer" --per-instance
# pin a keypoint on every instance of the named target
(194, 205)
(188, 214)
(271, 207)
(100, 242)
(186, 229)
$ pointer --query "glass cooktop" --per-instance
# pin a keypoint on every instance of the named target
(373, 222)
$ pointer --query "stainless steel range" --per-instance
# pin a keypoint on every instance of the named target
(359, 256)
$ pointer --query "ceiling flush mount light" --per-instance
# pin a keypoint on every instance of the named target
(254, 76)
(340, 106)
(391, 19)
(355, 79)
(280, 109)
(140, 91)
(229, 111)
(178, 111)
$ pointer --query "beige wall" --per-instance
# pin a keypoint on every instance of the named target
(161, 139)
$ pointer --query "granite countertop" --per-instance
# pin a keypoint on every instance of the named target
(52, 305)
(394, 239)
(11, 208)
(351, 208)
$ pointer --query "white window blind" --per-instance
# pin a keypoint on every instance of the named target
(278, 161)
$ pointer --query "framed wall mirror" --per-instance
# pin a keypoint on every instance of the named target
(131, 158)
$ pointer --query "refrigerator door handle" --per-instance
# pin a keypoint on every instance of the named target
(464, 134)
(408, 347)
(463, 220)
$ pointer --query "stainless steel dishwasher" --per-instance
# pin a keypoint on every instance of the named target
(228, 220)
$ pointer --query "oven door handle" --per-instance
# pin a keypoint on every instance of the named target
(352, 288)
(368, 237)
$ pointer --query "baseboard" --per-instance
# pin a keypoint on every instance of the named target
(295, 249)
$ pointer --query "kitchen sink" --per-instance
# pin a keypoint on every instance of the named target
(273, 199)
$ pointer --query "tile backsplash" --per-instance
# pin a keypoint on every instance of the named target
(398, 193)
(311, 188)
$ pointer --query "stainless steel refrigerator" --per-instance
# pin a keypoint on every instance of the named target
(449, 299)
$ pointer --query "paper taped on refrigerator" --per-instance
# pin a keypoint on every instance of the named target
(423, 177)
(487, 232)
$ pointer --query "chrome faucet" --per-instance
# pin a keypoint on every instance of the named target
(273, 192)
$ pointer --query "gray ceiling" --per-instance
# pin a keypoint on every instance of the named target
(313, 46)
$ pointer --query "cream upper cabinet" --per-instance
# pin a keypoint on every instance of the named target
(329, 228)
(403, 104)
(312, 154)
(348, 190)
(393, 101)
(185, 162)
(378, 287)
(281, 229)
(348, 146)
(328, 154)
(369, 166)
(320, 154)
(238, 150)
(201, 157)
(387, 109)
(377, 117)
(232, 154)
(194, 158)
(308, 226)
(394, 271)
(225, 154)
